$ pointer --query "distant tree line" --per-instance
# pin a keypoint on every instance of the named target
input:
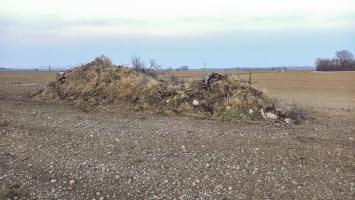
(181, 68)
(343, 61)
(280, 69)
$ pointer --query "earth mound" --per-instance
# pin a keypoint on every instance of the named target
(101, 83)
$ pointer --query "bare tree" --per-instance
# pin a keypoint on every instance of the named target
(169, 69)
(153, 66)
(344, 56)
(137, 63)
(344, 61)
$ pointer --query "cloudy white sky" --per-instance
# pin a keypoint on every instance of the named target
(223, 33)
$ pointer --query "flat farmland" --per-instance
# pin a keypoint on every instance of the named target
(17, 84)
(22, 77)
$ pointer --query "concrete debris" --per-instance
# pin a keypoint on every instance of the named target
(195, 102)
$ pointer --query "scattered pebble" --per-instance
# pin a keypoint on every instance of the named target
(71, 182)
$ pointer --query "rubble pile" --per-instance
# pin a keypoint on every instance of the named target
(101, 83)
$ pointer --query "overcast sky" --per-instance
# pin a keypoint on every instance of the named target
(222, 33)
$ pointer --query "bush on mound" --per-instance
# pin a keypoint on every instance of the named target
(101, 83)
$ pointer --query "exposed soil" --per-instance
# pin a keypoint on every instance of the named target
(58, 151)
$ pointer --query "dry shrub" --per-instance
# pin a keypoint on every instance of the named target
(234, 102)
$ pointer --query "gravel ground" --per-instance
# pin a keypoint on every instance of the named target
(53, 151)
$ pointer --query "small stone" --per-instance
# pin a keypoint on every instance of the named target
(98, 193)
(229, 188)
(287, 120)
(53, 180)
(219, 187)
(71, 182)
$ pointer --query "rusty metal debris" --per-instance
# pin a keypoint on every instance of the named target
(212, 77)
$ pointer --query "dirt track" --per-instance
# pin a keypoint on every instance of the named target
(50, 151)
